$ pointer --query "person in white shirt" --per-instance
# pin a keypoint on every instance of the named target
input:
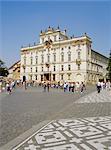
(98, 86)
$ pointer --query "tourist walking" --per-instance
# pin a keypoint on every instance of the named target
(8, 88)
(98, 86)
(81, 87)
(65, 86)
(44, 87)
(48, 86)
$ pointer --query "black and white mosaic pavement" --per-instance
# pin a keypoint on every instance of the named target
(92, 133)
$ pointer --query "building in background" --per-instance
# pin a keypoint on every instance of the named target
(60, 58)
(14, 71)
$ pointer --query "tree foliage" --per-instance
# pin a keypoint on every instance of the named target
(3, 69)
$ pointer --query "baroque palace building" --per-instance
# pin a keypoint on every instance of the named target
(60, 58)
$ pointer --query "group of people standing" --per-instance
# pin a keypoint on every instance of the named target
(101, 85)
(67, 87)
(74, 87)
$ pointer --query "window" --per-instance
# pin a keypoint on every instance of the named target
(36, 60)
(53, 77)
(54, 68)
(30, 69)
(78, 66)
(35, 77)
(54, 57)
(42, 58)
(62, 67)
(62, 57)
(42, 68)
(69, 47)
(61, 76)
(41, 77)
(69, 76)
(69, 67)
(69, 56)
(36, 69)
(78, 55)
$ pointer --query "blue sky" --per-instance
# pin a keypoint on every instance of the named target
(22, 21)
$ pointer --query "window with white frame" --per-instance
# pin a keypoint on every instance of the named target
(42, 68)
(78, 66)
(69, 67)
(42, 58)
(36, 69)
(62, 67)
(54, 57)
(69, 76)
(69, 56)
(62, 56)
(36, 59)
(54, 68)
(35, 77)
(62, 76)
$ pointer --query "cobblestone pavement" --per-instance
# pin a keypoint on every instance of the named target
(86, 131)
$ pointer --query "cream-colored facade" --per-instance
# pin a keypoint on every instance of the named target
(60, 58)
(14, 71)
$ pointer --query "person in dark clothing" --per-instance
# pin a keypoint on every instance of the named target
(48, 85)
(44, 87)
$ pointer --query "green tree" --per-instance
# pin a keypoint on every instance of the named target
(109, 67)
(3, 69)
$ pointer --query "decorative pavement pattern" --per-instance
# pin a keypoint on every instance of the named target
(92, 133)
